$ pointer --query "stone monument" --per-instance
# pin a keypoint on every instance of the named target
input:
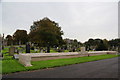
(27, 48)
(25, 59)
(11, 51)
(83, 51)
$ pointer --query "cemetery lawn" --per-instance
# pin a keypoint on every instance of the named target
(12, 65)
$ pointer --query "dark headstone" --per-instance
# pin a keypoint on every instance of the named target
(73, 49)
(32, 48)
(48, 49)
(2, 47)
(27, 48)
(1, 56)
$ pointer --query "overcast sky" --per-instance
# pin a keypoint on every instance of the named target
(78, 20)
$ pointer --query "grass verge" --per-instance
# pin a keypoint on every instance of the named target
(10, 66)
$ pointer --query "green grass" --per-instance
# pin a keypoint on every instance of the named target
(5, 50)
(53, 51)
(6, 54)
(10, 66)
(66, 50)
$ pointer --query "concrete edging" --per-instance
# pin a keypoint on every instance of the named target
(25, 59)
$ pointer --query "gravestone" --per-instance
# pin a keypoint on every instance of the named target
(16, 56)
(1, 56)
(16, 50)
(73, 50)
(25, 59)
(11, 51)
(20, 51)
(41, 51)
(83, 51)
(27, 48)
(48, 49)
(36, 50)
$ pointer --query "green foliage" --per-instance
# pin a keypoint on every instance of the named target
(53, 51)
(46, 32)
(97, 44)
(114, 44)
(71, 44)
(9, 66)
(16, 66)
(5, 50)
(101, 46)
(66, 50)
(7, 57)
(9, 40)
(20, 36)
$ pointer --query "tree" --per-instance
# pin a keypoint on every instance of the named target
(9, 40)
(20, 37)
(90, 44)
(105, 42)
(46, 33)
(101, 46)
(114, 44)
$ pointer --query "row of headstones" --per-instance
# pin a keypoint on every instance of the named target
(12, 50)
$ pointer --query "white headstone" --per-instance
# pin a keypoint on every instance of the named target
(41, 51)
(83, 50)
(25, 59)
(36, 50)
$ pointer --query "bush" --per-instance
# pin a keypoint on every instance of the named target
(101, 46)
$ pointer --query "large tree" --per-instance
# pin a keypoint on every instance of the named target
(20, 37)
(102, 46)
(46, 33)
(92, 44)
(114, 44)
(9, 40)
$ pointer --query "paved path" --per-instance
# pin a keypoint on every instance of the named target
(107, 68)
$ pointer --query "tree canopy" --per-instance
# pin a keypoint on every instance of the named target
(46, 32)
(9, 40)
(96, 44)
(20, 37)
